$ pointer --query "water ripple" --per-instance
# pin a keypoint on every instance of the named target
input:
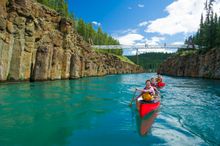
(95, 111)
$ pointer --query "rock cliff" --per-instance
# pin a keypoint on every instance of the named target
(193, 65)
(36, 43)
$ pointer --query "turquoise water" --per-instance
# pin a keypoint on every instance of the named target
(95, 112)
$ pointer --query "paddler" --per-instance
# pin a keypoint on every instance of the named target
(154, 85)
(159, 78)
(147, 94)
(153, 82)
(160, 82)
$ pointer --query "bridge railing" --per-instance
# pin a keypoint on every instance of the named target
(132, 47)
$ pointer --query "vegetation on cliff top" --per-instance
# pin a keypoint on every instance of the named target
(150, 61)
(125, 59)
(115, 52)
(86, 30)
(60, 6)
(118, 52)
(208, 35)
(92, 36)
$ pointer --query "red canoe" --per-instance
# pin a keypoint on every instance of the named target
(146, 108)
(161, 84)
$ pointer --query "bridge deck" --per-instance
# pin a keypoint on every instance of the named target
(141, 47)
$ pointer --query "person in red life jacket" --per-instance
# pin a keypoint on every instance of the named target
(160, 83)
(159, 78)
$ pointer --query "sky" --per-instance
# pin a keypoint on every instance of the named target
(138, 22)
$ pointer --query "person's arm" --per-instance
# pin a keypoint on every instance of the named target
(143, 90)
(139, 90)
(152, 90)
(156, 90)
(138, 96)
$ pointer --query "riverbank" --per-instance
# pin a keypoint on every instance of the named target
(193, 64)
(38, 44)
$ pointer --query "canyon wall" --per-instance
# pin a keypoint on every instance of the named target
(37, 43)
(193, 65)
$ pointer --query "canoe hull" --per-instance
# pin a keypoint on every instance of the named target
(146, 108)
(161, 85)
(146, 122)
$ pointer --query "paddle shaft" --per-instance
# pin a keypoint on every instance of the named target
(133, 98)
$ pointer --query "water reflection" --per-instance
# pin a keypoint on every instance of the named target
(144, 124)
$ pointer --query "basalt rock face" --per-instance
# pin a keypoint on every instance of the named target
(36, 43)
(196, 65)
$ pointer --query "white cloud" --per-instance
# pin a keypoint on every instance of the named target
(140, 44)
(130, 30)
(154, 40)
(130, 39)
(124, 32)
(96, 23)
(183, 17)
(144, 23)
(140, 5)
(216, 7)
(177, 43)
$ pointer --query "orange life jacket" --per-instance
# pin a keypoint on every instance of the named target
(159, 80)
(147, 96)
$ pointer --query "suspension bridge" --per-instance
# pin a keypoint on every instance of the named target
(141, 47)
(148, 48)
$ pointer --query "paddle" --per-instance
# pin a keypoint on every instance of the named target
(133, 97)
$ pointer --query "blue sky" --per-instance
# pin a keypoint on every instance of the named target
(143, 21)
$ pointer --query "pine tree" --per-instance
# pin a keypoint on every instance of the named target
(217, 39)
(90, 33)
(99, 36)
(209, 32)
(85, 30)
(81, 27)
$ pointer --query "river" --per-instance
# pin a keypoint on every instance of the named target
(94, 112)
